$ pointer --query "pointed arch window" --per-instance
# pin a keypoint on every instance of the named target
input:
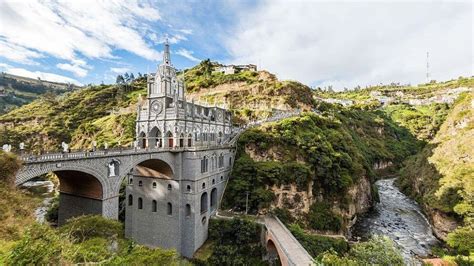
(140, 203)
(130, 200)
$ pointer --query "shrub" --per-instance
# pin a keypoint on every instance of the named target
(236, 242)
(40, 245)
(316, 244)
(86, 227)
(9, 164)
(462, 239)
(379, 250)
(320, 217)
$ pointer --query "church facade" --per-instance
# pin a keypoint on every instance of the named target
(169, 200)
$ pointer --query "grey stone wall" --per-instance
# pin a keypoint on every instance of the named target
(72, 206)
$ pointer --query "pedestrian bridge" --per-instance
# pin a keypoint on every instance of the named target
(283, 246)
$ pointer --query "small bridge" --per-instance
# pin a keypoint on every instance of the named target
(282, 245)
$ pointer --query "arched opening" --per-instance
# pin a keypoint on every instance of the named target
(153, 168)
(204, 202)
(213, 198)
(272, 253)
(190, 140)
(142, 143)
(219, 140)
(154, 184)
(181, 140)
(188, 210)
(130, 200)
(140, 203)
(204, 185)
(169, 187)
(188, 188)
(154, 206)
(169, 136)
(80, 194)
(169, 209)
(155, 138)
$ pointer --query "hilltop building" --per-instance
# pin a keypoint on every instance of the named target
(233, 69)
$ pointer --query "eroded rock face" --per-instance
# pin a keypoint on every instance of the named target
(361, 200)
(442, 223)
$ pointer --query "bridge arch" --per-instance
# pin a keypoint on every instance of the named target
(273, 253)
(82, 189)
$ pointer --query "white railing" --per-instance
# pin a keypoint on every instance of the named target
(80, 154)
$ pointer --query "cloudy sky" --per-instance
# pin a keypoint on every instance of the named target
(320, 43)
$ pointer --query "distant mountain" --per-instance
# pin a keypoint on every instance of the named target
(16, 91)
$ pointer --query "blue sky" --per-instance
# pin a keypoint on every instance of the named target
(343, 44)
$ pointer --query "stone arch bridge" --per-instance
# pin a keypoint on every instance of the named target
(90, 182)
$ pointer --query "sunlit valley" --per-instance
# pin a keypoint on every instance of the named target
(228, 161)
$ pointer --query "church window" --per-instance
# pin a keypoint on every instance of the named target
(140, 183)
(213, 181)
(154, 184)
(188, 188)
(170, 209)
(169, 186)
(221, 160)
(204, 185)
(154, 207)
(130, 200)
(140, 203)
(204, 202)
(188, 210)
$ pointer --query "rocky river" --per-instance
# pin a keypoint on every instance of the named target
(43, 189)
(401, 219)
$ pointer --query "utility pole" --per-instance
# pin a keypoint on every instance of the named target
(247, 203)
(427, 67)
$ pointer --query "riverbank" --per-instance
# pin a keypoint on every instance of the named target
(401, 219)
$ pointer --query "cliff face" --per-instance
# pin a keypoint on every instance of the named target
(441, 177)
(317, 167)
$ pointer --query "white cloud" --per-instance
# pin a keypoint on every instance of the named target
(65, 29)
(41, 75)
(187, 54)
(119, 70)
(346, 44)
(18, 53)
(78, 67)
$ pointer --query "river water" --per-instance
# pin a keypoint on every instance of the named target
(43, 189)
(400, 218)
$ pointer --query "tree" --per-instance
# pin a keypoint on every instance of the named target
(126, 77)
(131, 78)
(120, 79)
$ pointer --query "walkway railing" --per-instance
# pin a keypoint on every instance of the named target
(79, 154)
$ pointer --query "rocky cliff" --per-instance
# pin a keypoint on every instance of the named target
(441, 177)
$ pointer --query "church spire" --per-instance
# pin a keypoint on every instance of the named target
(166, 54)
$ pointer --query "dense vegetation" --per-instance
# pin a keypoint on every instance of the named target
(378, 250)
(331, 151)
(441, 177)
(232, 242)
(76, 118)
(87, 239)
(425, 90)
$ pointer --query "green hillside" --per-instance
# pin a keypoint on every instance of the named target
(308, 165)
(16, 91)
(441, 177)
